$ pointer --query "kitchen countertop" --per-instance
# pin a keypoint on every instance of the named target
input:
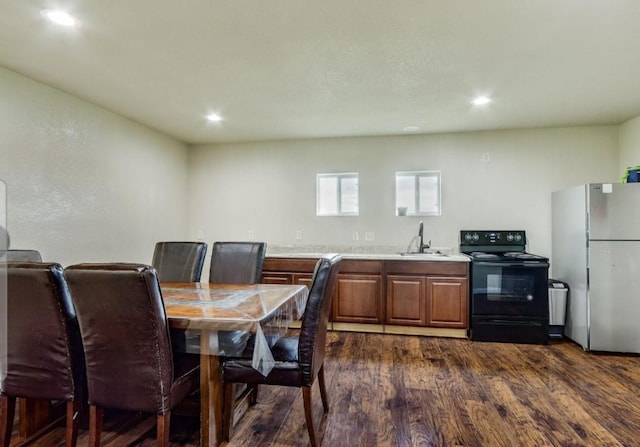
(380, 256)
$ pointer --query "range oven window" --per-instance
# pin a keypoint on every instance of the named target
(509, 289)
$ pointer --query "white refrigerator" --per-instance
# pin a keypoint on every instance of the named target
(596, 250)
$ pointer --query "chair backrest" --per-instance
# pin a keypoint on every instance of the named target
(179, 261)
(23, 256)
(313, 332)
(237, 262)
(44, 350)
(125, 334)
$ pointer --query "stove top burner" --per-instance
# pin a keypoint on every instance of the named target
(482, 255)
(524, 256)
(506, 257)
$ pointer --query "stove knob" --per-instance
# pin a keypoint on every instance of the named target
(509, 237)
(518, 237)
(475, 236)
(468, 236)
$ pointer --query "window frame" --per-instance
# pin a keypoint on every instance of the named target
(339, 196)
(417, 175)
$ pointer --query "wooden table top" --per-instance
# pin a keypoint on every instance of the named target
(230, 306)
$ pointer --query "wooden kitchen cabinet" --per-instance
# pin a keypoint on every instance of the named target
(428, 294)
(276, 278)
(358, 295)
(358, 299)
(392, 296)
(303, 279)
(406, 300)
(288, 271)
(447, 302)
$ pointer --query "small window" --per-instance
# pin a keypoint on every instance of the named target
(418, 193)
(337, 194)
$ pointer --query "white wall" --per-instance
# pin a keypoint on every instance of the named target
(84, 184)
(269, 187)
(629, 144)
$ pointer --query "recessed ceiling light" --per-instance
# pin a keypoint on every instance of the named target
(411, 129)
(481, 100)
(59, 17)
(214, 117)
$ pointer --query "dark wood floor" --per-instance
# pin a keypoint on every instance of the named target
(387, 390)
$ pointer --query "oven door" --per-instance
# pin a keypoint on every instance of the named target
(510, 289)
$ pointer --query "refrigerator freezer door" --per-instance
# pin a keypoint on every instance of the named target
(614, 211)
(614, 296)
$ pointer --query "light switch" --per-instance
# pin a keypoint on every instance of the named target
(369, 236)
(298, 235)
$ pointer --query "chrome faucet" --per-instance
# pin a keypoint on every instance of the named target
(421, 245)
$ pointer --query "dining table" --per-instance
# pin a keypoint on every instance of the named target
(207, 312)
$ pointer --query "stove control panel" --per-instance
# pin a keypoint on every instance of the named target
(502, 238)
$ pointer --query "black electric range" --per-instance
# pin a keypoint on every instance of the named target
(508, 288)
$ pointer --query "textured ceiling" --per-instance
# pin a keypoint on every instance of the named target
(306, 69)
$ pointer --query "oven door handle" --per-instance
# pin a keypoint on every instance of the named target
(512, 322)
(512, 264)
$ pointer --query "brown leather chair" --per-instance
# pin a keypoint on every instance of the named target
(299, 359)
(128, 351)
(44, 350)
(179, 261)
(23, 256)
(237, 262)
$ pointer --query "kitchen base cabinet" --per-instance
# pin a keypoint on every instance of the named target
(276, 278)
(388, 296)
(406, 300)
(447, 302)
(288, 271)
(358, 299)
(428, 294)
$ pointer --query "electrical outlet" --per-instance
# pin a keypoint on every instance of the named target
(251, 235)
(356, 236)
(200, 235)
(369, 236)
(486, 157)
(298, 235)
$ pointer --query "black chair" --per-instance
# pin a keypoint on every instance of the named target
(299, 359)
(45, 359)
(237, 262)
(128, 351)
(179, 261)
(23, 256)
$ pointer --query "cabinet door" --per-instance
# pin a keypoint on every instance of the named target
(276, 278)
(447, 302)
(406, 300)
(303, 279)
(358, 299)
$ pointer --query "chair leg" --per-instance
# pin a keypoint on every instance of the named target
(308, 414)
(323, 389)
(95, 425)
(227, 411)
(254, 394)
(163, 422)
(7, 413)
(71, 434)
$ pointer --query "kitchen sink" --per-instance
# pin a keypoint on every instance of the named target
(424, 253)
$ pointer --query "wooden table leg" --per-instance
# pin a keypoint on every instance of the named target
(210, 396)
